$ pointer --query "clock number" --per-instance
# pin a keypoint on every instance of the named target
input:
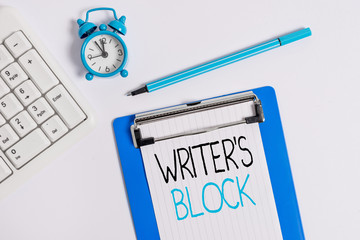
(120, 52)
(107, 69)
(89, 56)
(103, 40)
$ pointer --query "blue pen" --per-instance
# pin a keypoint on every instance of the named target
(217, 63)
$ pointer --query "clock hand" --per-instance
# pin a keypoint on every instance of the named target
(103, 45)
(102, 51)
(96, 56)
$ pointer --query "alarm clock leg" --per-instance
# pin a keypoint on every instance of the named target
(124, 73)
(89, 76)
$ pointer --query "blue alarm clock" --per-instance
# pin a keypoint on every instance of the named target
(103, 53)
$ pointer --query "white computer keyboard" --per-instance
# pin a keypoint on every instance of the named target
(41, 114)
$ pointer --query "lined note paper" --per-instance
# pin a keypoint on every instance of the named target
(213, 185)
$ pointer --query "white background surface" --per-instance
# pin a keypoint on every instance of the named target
(81, 194)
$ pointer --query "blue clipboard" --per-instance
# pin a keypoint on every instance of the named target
(276, 156)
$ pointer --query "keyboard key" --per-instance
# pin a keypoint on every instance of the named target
(38, 71)
(4, 89)
(40, 110)
(23, 123)
(54, 128)
(65, 105)
(9, 106)
(2, 120)
(13, 75)
(7, 137)
(5, 171)
(17, 43)
(5, 57)
(27, 92)
(27, 148)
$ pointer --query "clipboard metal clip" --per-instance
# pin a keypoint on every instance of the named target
(194, 107)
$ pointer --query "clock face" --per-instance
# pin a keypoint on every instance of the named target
(104, 53)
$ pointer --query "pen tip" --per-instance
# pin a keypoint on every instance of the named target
(138, 91)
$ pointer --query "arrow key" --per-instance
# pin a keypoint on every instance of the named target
(23, 123)
(27, 92)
